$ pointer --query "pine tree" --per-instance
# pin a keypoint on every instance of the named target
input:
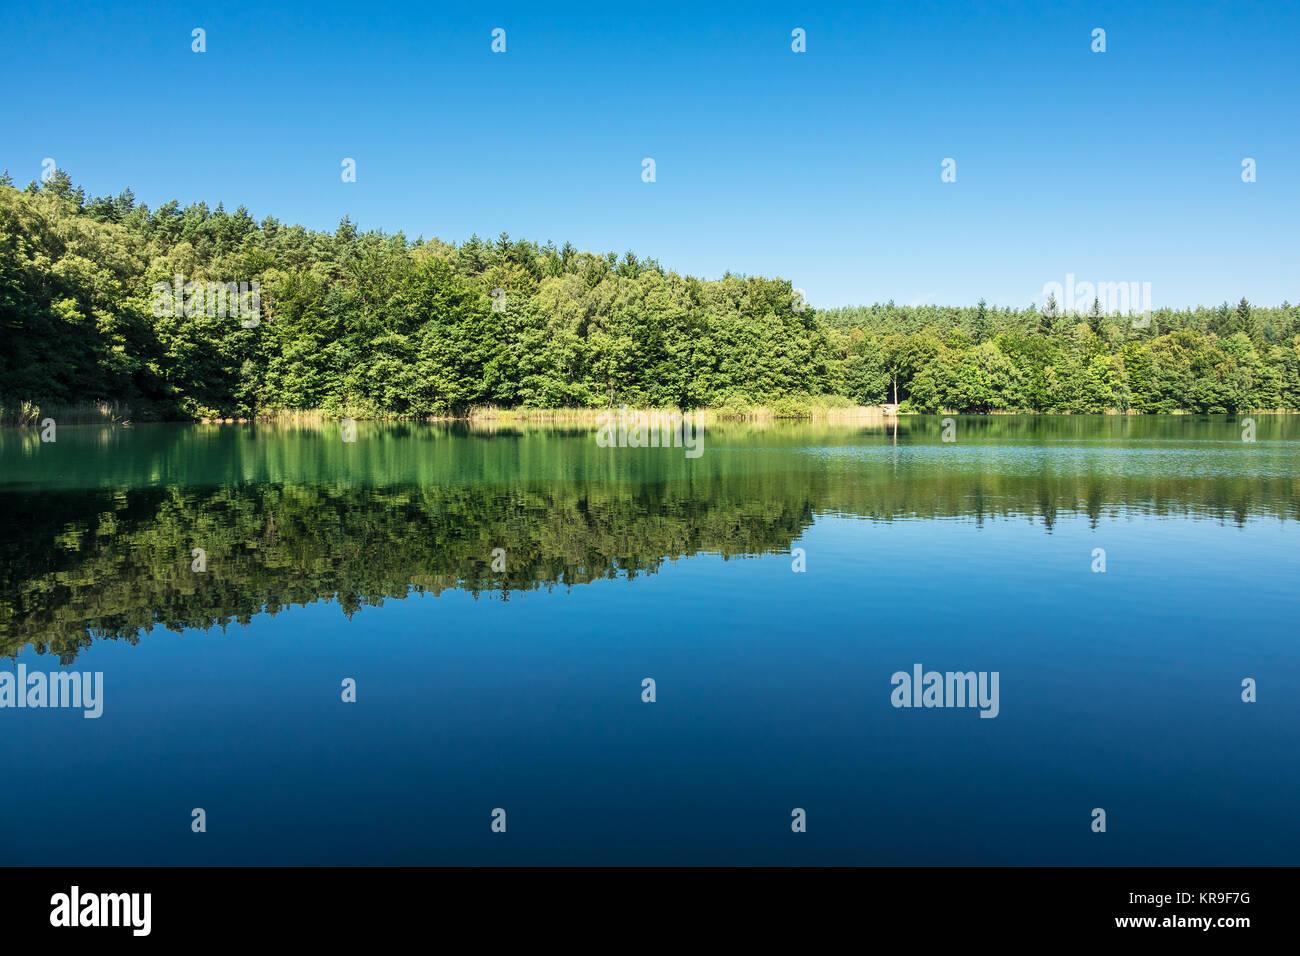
(1243, 321)
(980, 332)
(1049, 314)
(1094, 317)
(60, 184)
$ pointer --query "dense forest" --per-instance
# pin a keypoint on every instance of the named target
(369, 324)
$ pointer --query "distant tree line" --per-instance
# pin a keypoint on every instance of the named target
(368, 323)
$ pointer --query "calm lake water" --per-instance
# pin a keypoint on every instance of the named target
(480, 688)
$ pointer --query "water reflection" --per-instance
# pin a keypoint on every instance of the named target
(100, 528)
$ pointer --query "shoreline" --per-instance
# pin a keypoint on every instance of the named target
(790, 410)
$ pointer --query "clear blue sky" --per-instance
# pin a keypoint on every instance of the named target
(822, 167)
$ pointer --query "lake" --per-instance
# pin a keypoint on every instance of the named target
(495, 597)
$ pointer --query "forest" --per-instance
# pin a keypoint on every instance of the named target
(370, 324)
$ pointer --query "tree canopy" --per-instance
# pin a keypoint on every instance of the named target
(370, 323)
